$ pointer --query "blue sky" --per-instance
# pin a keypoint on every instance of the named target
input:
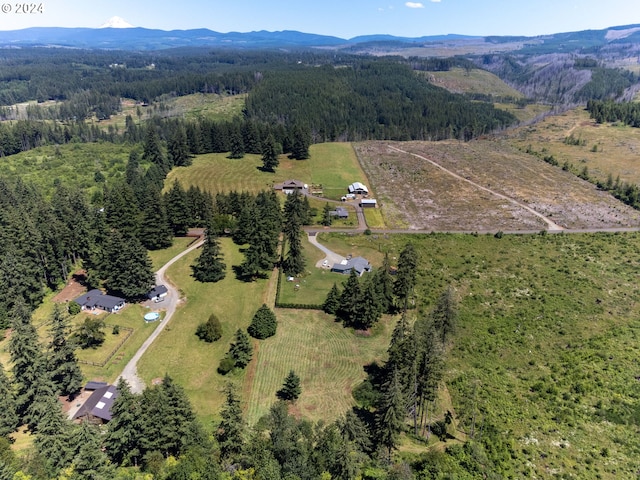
(342, 18)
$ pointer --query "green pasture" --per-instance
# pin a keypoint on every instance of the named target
(178, 352)
(334, 165)
(73, 164)
(547, 342)
(312, 286)
(159, 258)
(328, 358)
(374, 218)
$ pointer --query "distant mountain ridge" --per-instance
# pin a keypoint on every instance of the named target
(137, 38)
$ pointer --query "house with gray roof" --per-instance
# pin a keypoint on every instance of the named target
(157, 293)
(97, 408)
(359, 264)
(290, 186)
(96, 299)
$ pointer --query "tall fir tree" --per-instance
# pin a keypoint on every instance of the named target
(290, 390)
(209, 266)
(62, 361)
(445, 314)
(176, 205)
(241, 350)
(153, 150)
(384, 285)
(155, 232)
(369, 308)
(406, 276)
(122, 441)
(177, 147)
(8, 406)
(332, 302)
(128, 273)
(390, 414)
(26, 358)
(350, 300)
(89, 460)
(270, 159)
(53, 438)
(231, 430)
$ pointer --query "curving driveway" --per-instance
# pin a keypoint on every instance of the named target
(170, 303)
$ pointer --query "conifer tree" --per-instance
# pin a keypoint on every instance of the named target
(270, 159)
(350, 298)
(332, 302)
(445, 314)
(175, 201)
(406, 276)
(153, 151)
(155, 233)
(290, 390)
(89, 460)
(121, 209)
(263, 324)
(327, 218)
(53, 438)
(177, 148)
(384, 285)
(241, 350)
(63, 363)
(26, 357)
(390, 414)
(301, 142)
(128, 272)
(123, 431)
(237, 144)
(231, 430)
(209, 266)
(369, 308)
(8, 406)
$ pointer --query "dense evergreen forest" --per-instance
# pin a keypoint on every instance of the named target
(322, 97)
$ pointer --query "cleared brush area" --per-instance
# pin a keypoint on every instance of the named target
(459, 80)
(418, 195)
(328, 358)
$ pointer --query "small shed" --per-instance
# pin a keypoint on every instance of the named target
(358, 188)
(157, 293)
(368, 203)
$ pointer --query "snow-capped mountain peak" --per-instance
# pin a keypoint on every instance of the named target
(116, 22)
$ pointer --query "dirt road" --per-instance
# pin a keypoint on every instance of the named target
(170, 303)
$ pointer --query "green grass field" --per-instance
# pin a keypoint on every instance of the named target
(190, 361)
(75, 164)
(328, 358)
(334, 165)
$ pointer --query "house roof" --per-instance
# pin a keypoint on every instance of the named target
(93, 385)
(99, 403)
(157, 291)
(357, 186)
(287, 184)
(95, 298)
(359, 264)
(342, 212)
(368, 201)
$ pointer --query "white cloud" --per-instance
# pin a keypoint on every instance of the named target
(414, 5)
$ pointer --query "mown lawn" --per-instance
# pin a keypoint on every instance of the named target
(328, 358)
(334, 165)
(177, 351)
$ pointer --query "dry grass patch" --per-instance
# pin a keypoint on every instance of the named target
(421, 196)
(605, 149)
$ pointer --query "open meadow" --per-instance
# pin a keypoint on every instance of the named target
(332, 165)
(573, 137)
(546, 347)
